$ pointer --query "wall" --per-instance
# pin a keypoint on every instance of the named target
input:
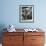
(10, 13)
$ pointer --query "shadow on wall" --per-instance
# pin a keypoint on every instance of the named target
(2, 26)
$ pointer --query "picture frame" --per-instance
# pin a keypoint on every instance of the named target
(26, 13)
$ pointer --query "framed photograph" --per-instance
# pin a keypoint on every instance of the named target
(26, 13)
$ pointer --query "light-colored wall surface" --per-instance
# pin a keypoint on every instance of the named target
(10, 13)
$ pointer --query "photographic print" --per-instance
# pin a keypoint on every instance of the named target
(26, 13)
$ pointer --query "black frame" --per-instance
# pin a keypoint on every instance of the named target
(26, 13)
